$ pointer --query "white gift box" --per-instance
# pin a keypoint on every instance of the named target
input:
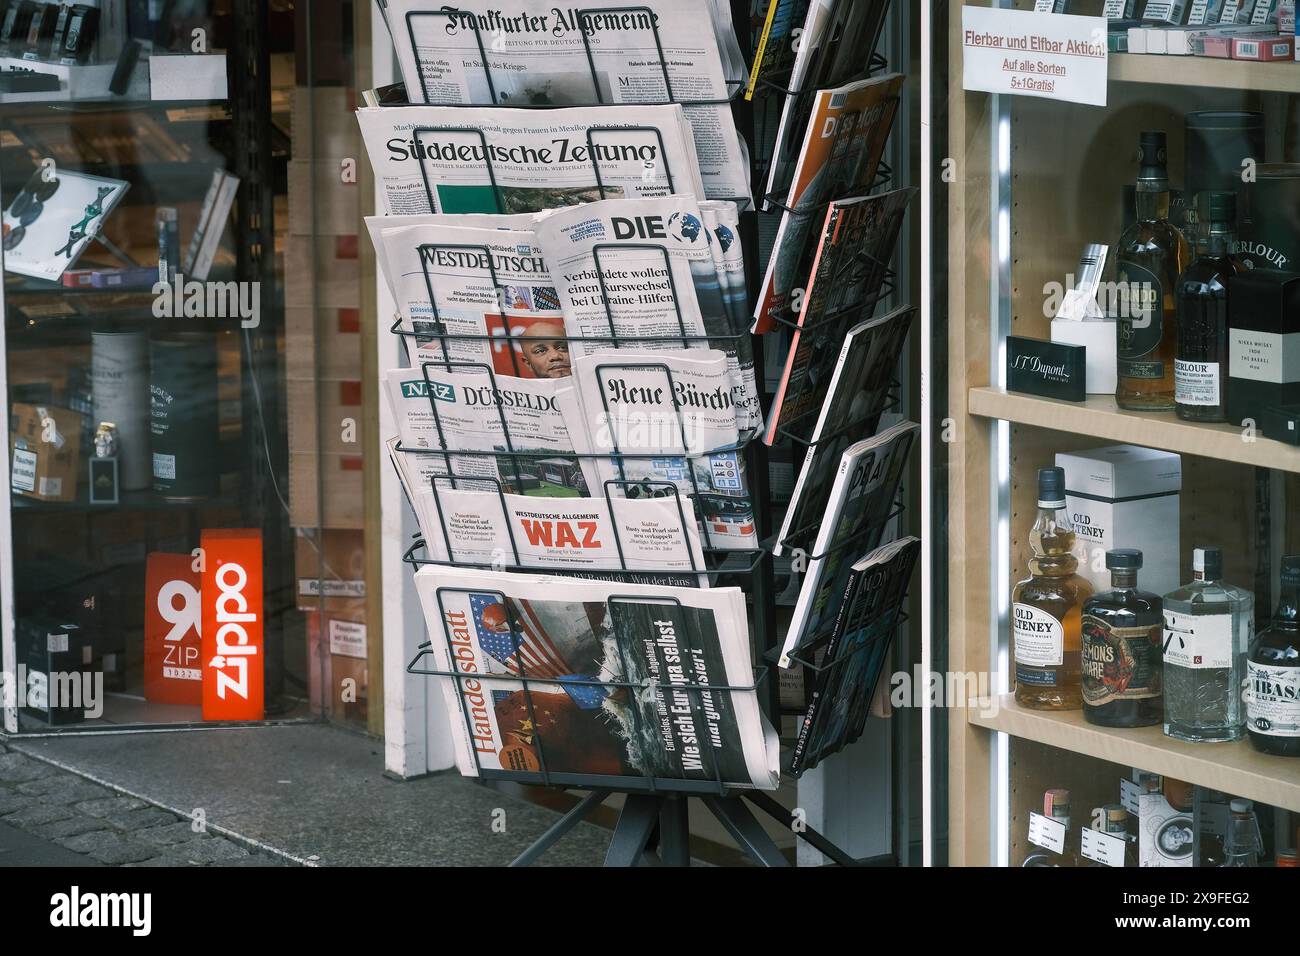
(1098, 337)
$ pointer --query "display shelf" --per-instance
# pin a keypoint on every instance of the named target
(1235, 768)
(1204, 71)
(1100, 417)
(130, 501)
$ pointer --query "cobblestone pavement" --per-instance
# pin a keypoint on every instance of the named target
(105, 825)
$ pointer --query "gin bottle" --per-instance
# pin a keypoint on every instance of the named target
(1208, 628)
(1273, 693)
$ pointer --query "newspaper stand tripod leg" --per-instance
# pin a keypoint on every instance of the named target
(806, 833)
(745, 830)
(557, 830)
(636, 822)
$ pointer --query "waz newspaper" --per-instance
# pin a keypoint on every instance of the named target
(577, 643)
(482, 295)
(501, 160)
(531, 53)
(671, 417)
(640, 269)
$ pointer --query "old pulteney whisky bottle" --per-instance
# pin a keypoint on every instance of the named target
(1046, 606)
(1273, 673)
(1152, 253)
(1122, 632)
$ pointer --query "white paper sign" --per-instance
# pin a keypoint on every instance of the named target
(1104, 848)
(1046, 832)
(1128, 795)
(1055, 56)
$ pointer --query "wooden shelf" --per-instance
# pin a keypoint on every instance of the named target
(1100, 417)
(1235, 768)
(1204, 71)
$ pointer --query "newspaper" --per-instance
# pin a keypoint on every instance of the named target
(577, 642)
(602, 533)
(492, 302)
(640, 269)
(377, 226)
(598, 52)
(453, 408)
(722, 220)
(669, 416)
(501, 160)
(840, 156)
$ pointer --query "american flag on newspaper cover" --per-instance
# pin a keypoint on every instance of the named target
(521, 645)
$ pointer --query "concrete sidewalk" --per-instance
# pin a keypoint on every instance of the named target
(307, 794)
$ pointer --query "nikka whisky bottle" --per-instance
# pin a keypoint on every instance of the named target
(1046, 607)
(1152, 253)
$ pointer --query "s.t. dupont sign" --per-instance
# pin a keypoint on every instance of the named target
(232, 648)
(1056, 56)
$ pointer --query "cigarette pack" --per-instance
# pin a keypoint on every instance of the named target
(1263, 48)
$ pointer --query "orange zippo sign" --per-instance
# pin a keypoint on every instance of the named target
(233, 649)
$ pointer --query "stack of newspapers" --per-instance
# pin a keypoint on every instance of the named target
(561, 199)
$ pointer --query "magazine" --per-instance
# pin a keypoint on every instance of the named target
(778, 42)
(834, 47)
(665, 412)
(486, 284)
(855, 655)
(445, 407)
(574, 639)
(840, 156)
(599, 52)
(639, 269)
(845, 283)
(853, 405)
(502, 160)
(601, 533)
(861, 501)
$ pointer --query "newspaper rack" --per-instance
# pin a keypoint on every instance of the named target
(652, 824)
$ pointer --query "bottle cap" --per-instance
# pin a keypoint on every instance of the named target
(1286, 858)
(1238, 805)
(1051, 487)
(1123, 559)
(1291, 570)
(1220, 207)
(1056, 803)
(1153, 155)
(1207, 564)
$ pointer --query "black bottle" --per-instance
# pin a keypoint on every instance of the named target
(1273, 673)
(1122, 643)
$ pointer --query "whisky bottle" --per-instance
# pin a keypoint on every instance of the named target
(1056, 807)
(1208, 627)
(1273, 673)
(1201, 361)
(1152, 253)
(1121, 634)
(1046, 607)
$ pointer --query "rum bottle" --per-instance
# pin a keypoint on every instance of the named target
(1152, 254)
(1201, 362)
(1121, 634)
(1273, 673)
(1046, 607)
(1208, 627)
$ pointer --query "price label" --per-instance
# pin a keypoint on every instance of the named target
(1046, 832)
(1128, 795)
(1104, 848)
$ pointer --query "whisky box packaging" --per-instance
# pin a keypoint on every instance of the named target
(1166, 834)
(1125, 496)
(57, 657)
(1269, 238)
(44, 452)
(1263, 343)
